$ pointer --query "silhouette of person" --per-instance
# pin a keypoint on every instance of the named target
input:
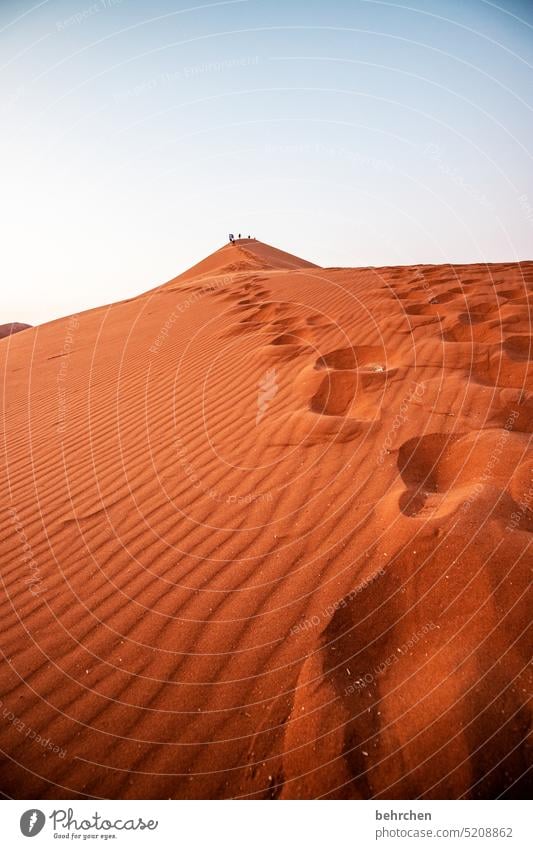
(231, 237)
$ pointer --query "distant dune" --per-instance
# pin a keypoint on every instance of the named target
(266, 533)
(13, 327)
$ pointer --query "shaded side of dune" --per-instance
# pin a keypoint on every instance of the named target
(12, 327)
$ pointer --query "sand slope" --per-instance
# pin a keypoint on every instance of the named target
(265, 532)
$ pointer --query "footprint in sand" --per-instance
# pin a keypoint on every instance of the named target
(432, 307)
(349, 370)
(446, 297)
(519, 347)
(424, 465)
(445, 472)
(259, 315)
(505, 365)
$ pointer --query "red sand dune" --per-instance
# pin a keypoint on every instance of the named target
(265, 533)
(12, 327)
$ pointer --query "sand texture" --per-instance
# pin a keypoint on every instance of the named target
(265, 533)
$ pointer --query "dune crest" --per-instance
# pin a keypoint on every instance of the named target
(244, 255)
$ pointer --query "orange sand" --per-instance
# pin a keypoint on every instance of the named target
(265, 533)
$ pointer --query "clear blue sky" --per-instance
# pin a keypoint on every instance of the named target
(136, 135)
